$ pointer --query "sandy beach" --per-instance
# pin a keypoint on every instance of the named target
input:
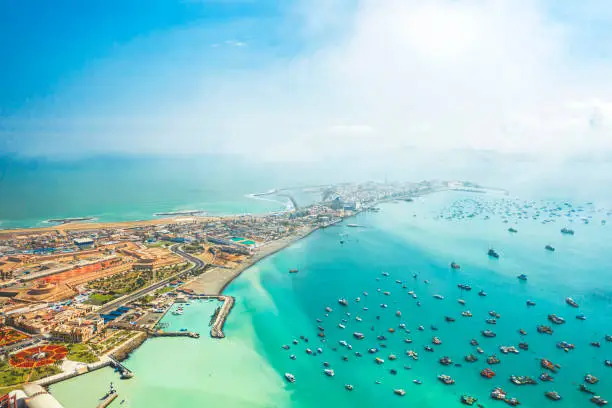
(214, 281)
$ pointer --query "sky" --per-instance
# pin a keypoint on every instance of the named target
(297, 80)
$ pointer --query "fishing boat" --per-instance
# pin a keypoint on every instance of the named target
(571, 302)
(508, 349)
(436, 340)
(492, 359)
(439, 297)
(493, 254)
(290, 377)
(524, 346)
(470, 358)
(348, 387)
(545, 329)
(293, 270)
(608, 337)
(549, 248)
(564, 345)
(531, 303)
(585, 389)
(491, 321)
(400, 392)
(522, 277)
(464, 286)
(608, 363)
(513, 230)
(474, 342)
(556, 319)
(461, 301)
(581, 317)
(329, 372)
(591, 379)
(482, 293)
(446, 360)
(567, 231)
(468, 400)
(498, 394)
(379, 360)
(466, 313)
(446, 379)
(547, 364)
(522, 332)
(546, 377)
(522, 380)
(449, 319)
(493, 313)
(597, 400)
(488, 333)
(454, 265)
(417, 382)
(487, 373)
(343, 302)
(358, 336)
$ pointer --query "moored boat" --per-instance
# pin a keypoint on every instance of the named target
(493, 254)
(591, 379)
(446, 379)
(522, 380)
(399, 392)
(290, 377)
(487, 373)
(556, 319)
(468, 400)
(571, 302)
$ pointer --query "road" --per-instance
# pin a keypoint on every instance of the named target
(196, 263)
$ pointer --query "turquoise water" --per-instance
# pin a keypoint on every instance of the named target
(274, 307)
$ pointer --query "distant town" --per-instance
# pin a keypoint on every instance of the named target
(82, 295)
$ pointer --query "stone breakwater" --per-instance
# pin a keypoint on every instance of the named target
(216, 331)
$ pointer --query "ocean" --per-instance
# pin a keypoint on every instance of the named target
(414, 243)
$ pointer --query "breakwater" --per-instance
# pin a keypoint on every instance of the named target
(79, 371)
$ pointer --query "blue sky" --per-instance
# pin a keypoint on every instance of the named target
(304, 79)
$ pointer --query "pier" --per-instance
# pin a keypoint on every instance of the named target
(216, 330)
(107, 400)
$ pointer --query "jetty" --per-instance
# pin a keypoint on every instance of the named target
(216, 330)
(107, 400)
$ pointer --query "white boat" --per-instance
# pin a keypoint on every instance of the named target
(290, 377)
(329, 372)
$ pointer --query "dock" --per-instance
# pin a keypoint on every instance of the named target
(107, 400)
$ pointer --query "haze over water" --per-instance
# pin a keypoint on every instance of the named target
(273, 308)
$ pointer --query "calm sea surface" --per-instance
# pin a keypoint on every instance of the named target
(273, 308)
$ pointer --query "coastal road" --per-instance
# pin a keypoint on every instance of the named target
(197, 263)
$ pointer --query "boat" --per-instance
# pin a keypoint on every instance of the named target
(290, 377)
(436, 340)
(549, 248)
(492, 359)
(531, 303)
(513, 230)
(567, 231)
(449, 319)
(445, 361)
(341, 326)
(491, 321)
(468, 400)
(454, 265)
(464, 286)
(439, 297)
(400, 392)
(564, 345)
(428, 348)
(343, 302)
(379, 360)
(466, 313)
(392, 357)
(585, 389)
(446, 379)
(358, 336)
(508, 349)
(522, 380)
(522, 277)
(461, 301)
(285, 347)
(571, 302)
(418, 382)
(479, 350)
(343, 343)
(474, 342)
(434, 328)
(545, 329)
(591, 379)
(556, 319)
(597, 400)
(546, 377)
(608, 363)
(488, 333)
(308, 351)
(293, 270)
(470, 358)
(482, 293)
(385, 273)
(547, 364)
(581, 317)
(498, 394)
(524, 346)
(522, 332)
(328, 309)
(487, 373)
(493, 254)
(493, 313)
(608, 337)
(348, 387)
(329, 372)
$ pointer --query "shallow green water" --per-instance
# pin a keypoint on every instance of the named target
(274, 307)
